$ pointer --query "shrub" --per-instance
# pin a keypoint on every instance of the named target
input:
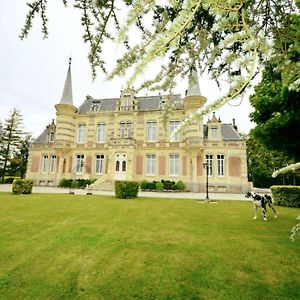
(22, 186)
(159, 186)
(75, 184)
(151, 185)
(126, 189)
(144, 185)
(7, 180)
(286, 195)
(169, 185)
(65, 182)
(180, 185)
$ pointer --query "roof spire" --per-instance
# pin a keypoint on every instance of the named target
(67, 96)
(193, 88)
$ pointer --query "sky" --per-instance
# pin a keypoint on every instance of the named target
(33, 71)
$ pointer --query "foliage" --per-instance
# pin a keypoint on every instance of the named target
(230, 39)
(165, 249)
(7, 180)
(286, 195)
(11, 140)
(144, 184)
(169, 185)
(276, 98)
(180, 185)
(159, 186)
(126, 189)
(22, 186)
(295, 230)
(75, 183)
(262, 162)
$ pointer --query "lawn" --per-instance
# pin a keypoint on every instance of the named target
(55, 246)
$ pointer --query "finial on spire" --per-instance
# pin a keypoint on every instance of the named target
(70, 60)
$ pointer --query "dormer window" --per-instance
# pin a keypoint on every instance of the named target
(95, 106)
(127, 101)
(214, 132)
(51, 136)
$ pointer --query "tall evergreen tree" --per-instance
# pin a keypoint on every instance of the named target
(11, 137)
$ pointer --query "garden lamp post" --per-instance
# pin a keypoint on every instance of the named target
(205, 166)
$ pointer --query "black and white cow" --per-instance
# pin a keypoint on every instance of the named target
(261, 201)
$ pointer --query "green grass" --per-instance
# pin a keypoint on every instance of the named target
(95, 247)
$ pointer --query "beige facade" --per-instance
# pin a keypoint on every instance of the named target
(125, 139)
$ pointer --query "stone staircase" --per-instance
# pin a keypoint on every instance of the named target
(103, 184)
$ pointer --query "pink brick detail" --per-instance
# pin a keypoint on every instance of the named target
(139, 165)
(88, 164)
(70, 164)
(234, 166)
(162, 165)
(199, 166)
(184, 165)
(35, 164)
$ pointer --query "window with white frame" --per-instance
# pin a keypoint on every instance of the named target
(209, 162)
(221, 164)
(172, 126)
(44, 163)
(101, 133)
(81, 133)
(151, 131)
(150, 164)
(129, 129)
(99, 163)
(174, 165)
(52, 163)
(214, 132)
(79, 163)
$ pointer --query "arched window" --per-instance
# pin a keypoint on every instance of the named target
(117, 166)
(124, 165)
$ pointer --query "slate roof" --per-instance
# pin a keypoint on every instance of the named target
(228, 133)
(144, 103)
(41, 139)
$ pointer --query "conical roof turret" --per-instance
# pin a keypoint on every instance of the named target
(67, 95)
(193, 87)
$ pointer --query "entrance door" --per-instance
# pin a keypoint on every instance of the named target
(120, 166)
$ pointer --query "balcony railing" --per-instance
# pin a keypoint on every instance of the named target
(117, 142)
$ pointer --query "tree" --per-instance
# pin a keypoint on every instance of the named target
(277, 102)
(262, 163)
(231, 39)
(18, 164)
(10, 139)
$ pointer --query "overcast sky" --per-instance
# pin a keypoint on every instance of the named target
(33, 71)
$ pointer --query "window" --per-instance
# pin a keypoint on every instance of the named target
(209, 161)
(151, 131)
(174, 165)
(123, 165)
(117, 165)
(81, 133)
(79, 163)
(172, 126)
(214, 132)
(44, 163)
(129, 129)
(99, 163)
(52, 163)
(51, 136)
(101, 133)
(126, 129)
(150, 164)
(221, 159)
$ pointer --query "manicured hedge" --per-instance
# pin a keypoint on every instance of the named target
(75, 183)
(7, 180)
(126, 189)
(22, 186)
(162, 185)
(286, 195)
